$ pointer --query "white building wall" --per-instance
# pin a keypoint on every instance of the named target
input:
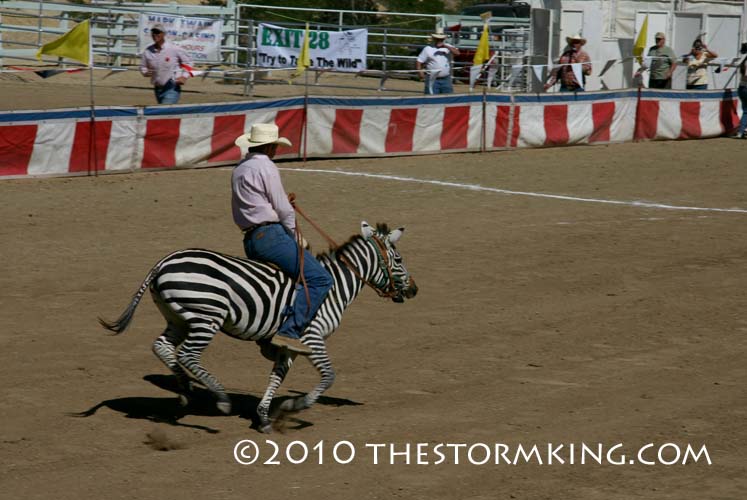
(611, 26)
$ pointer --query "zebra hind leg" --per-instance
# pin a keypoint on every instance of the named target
(280, 368)
(164, 347)
(189, 356)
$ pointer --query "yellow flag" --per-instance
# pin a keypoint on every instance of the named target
(75, 44)
(304, 60)
(483, 48)
(640, 42)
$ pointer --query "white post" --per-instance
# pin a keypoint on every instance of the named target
(1, 40)
(41, 13)
(92, 155)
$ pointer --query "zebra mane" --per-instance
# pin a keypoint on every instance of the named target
(381, 229)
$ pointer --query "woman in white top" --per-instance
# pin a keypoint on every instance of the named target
(697, 65)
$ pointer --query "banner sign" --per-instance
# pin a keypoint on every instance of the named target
(334, 50)
(200, 37)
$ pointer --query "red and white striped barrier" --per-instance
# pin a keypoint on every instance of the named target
(207, 138)
(62, 142)
(574, 119)
(387, 126)
(686, 114)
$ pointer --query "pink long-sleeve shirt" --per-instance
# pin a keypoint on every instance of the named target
(258, 194)
(164, 63)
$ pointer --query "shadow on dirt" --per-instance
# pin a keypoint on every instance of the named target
(201, 403)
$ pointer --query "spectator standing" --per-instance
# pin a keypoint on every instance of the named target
(662, 65)
(563, 72)
(742, 91)
(434, 65)
(162, 62)
(697, 65)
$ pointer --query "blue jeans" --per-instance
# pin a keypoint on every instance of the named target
(563, 88)
(169, 93)
(272, 243)
(743, 97)
(440, 85)
(702, 86)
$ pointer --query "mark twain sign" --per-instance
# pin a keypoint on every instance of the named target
(200, 37)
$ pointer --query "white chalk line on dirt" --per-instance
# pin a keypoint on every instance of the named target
(477, 187)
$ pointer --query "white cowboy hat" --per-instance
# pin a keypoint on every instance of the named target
(577, 36)
(261, 133)
(439, 34)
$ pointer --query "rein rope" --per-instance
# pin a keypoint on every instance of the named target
(380, 251)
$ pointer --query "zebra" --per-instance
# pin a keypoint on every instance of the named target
(200, 292)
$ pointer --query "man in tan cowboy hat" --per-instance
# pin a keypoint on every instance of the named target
(563, 70)
(434, 65)
(262, 211)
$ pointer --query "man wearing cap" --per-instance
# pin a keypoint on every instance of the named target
(564, 72)
(663, 63)
(165, 64)
(262, 211)
(434, 65)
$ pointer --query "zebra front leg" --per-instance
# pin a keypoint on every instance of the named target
(189, 356)
(164, 347)
(320, 359)
(280, 368)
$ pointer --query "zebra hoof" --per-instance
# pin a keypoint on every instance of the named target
(294, 404)
(183, 400)
(224, 407)
(265, 428)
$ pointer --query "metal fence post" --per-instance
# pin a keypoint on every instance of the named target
(384, 52)
(63, 26)
(249, 75)
(118, 43)
(231, 24)
(39, 24)
(1, 40)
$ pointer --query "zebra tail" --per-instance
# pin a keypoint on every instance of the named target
(120, 324)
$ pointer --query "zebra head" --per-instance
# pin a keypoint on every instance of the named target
(393, 279)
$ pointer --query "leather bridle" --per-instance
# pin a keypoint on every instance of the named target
(382, 255)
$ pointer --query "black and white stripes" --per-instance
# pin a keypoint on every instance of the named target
(200, 292)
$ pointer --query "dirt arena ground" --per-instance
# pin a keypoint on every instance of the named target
(540, 320)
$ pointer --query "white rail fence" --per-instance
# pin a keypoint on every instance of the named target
(392, 49)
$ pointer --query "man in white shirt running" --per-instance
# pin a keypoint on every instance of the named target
(165, 64)
(434, 65)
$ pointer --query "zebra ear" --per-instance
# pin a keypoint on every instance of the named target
(395, 235)
(366, 230)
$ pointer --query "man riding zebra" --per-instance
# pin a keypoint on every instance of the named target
(200, 292)
(263, 213)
